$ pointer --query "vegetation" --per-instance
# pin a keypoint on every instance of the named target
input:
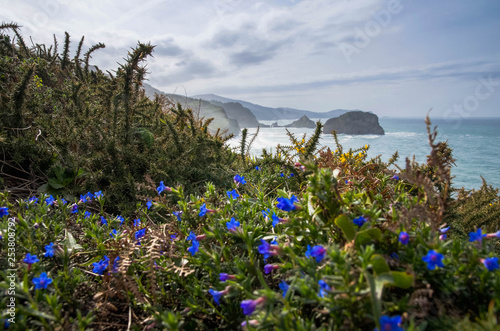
(120, 212)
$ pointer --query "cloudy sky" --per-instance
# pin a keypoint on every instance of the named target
(392, 57)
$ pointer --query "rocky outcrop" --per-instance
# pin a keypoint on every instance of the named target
(354, 122)
(303, 122)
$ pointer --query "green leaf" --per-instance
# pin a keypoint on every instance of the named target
(347, 227)
(70, 242)
(379, 264)
(366, 236)
(401, 279)
(54, 183)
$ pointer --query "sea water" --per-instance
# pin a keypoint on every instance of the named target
(475, 143)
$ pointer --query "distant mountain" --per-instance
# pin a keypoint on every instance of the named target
(234, 110)
(202, 109)
(354, 122)
(271, 114)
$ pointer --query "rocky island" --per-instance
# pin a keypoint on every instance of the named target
(354, 122)
(303, 122)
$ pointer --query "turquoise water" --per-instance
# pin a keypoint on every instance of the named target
(475, 144)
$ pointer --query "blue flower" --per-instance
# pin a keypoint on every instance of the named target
(257, 168)
(49, 250)
(50, 200)
(161, 188)
(98, 194)
(232, 225)
(284, 287)
(87, 214)
(74, 209)
(274, 241)
(116, 265)
(395, 177)
(140, 233)
(359, 221)
(178, 215)
(287, 204)
(276, 220)
(149, 204)
(87, 197)
(195, 247)
(265, 212)
(281, 175)
(317, 252)
(192, 236)
(113, 233)
(443, 231)
(104, 221)
(476, 236)
(390, 323)
(491, 263)
(4, 211)
(265, 249)
(33, 199)
(100, 267)
(173, 237)
(232, 194)
(248, 306)
(42, 281)
(323, 288)
(204, 210)
(223, 277)
(270, 267)
(239, 180)
(137, 222)
(30, 259)
(433, 259)
(121, 219)
(404, 238)
(216, 295)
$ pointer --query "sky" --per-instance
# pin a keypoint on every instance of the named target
(397, 58)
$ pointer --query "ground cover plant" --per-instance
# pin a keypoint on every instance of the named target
(302, 239)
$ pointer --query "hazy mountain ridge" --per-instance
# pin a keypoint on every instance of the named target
(268, 113)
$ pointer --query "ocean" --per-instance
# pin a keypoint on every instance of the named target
(475, 143)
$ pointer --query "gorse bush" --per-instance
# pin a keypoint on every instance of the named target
(171, 237)
(67, 127)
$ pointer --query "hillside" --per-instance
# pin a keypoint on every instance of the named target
(202, 109)
(234, 110)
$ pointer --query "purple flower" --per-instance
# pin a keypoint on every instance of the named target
(390, 323)
(100, 267)
(395, 177)
(74, 209)
(284, 287)
(270, 267)
(249, 306)
(491, 263)
(476, 236)
(42, 281)
(232, 225)
(317, 252)
(178, 215)
(443, 231)
(4, 211)
(173, 237)
(149, 204)
(323, 288)
(49, 250)
(232, 194)
(404, 238)
(265, 249)
(224, 277)
(287, 204)
(116, 265)
(239, 180)
(50, 200)
(194, 247)
(433, 259)
(30, 259)
(217, 295)
(359, 221)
